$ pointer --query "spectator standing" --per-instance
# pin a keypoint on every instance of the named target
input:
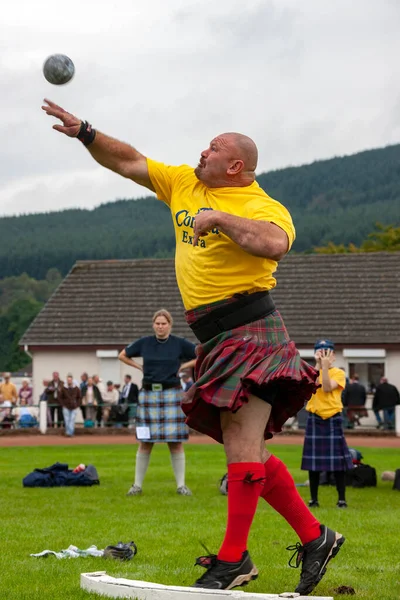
(128, 401)
(70, 401)
(8, 389)
(386, 398)
(354, 397)
(53, 391)
(130, 391)
(110, 399)
(159, 416)
(100, 386)
(82, 387)
(325, 448)
(91, 400)
(26, 393)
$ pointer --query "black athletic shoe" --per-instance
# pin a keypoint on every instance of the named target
(313, 504)
(342, 504)
(315, 556)
(222, 575)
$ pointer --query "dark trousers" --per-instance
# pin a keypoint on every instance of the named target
(60, 419)
(99, 415)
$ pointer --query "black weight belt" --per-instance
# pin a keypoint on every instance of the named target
(246, 309)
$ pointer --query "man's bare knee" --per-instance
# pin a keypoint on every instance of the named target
(243, 431)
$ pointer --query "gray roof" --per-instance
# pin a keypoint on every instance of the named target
(352, 298)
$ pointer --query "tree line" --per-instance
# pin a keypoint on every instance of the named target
(21, 299)
(337, 200)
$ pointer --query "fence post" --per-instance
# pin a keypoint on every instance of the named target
(397, 420)
(43, 416)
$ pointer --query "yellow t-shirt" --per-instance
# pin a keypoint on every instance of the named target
(217, 267)
(8, 391)
(327, 404)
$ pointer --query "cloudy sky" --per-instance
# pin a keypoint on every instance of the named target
(306, 79)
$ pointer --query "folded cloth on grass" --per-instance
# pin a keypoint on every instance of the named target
(71, 552)
(58, 475)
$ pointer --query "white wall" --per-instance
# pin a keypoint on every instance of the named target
(393, 368)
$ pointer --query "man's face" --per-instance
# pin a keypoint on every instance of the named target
(127, 380)
(84, 377)
(69, 381)
(56, 376)
(110, 387)
(215, 161)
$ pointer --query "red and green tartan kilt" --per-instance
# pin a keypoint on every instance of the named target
(236, 363)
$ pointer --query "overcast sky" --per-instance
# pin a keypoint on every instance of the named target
(306, 79)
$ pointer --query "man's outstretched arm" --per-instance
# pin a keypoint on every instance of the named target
(107, 151)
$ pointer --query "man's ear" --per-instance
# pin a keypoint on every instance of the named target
(235, 168)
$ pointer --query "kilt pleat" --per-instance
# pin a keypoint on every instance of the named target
(237, 363)
(161, 412)
(325, 447)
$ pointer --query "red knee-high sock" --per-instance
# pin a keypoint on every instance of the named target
(245, 483)
(281, 493)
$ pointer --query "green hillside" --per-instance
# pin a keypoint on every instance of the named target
(337, 200)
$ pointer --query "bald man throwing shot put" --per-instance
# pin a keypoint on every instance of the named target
(230, 236)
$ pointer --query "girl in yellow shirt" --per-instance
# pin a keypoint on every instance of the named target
(325, 447)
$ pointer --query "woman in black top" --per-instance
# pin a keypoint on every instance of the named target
(159, 415)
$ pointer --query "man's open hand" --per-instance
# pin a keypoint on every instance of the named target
(70, 124)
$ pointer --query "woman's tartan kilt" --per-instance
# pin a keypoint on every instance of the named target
(237, 363)
(161, 412)
(325, 447)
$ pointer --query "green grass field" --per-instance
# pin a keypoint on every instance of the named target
(168, 528)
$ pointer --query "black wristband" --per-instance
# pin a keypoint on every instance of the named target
(86, 133)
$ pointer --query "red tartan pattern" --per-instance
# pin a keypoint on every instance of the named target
(228, 365)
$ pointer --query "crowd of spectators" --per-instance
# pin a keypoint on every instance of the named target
(100, 404)
(16, 406)
(385, 399)
(105, 404)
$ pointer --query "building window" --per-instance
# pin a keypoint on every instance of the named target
(370, 373)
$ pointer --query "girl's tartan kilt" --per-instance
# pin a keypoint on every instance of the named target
(231, 365)
(325, 447)
(161, 412)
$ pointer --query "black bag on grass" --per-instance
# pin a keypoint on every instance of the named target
(396, 483)
(361, 476)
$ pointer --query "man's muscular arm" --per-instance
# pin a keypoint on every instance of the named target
(259, 238)
(107, 151)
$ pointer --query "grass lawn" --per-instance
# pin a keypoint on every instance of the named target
(168, 528)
